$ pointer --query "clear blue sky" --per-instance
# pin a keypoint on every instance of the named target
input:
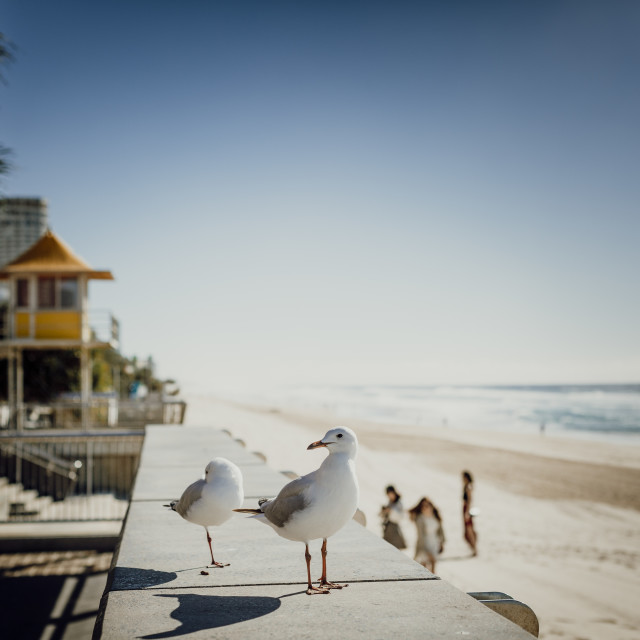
(348, 192)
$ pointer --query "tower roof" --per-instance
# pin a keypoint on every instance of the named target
(50, 255)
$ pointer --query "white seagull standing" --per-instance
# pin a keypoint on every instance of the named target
(210, 501)
(319, 504)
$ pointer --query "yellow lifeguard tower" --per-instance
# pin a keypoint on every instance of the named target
(48, 309)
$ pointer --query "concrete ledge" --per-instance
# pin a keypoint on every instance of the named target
(511, 609)
(157, 588)
(163, 447)
(415, 609)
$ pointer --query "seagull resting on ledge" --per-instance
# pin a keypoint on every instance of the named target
(210, 500)
(319, 504)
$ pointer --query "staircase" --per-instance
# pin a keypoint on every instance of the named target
(16, 502)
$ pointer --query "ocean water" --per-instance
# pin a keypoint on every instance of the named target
(598, 412)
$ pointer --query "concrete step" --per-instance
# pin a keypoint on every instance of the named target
(24, 504)
(96, 507)
(15, 501)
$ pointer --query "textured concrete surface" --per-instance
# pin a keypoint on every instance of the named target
(413, 609)
(163, 447)
(157, 589)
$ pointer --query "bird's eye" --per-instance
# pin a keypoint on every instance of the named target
(339, 435)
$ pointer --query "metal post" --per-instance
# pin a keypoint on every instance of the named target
(89, 468)
(19, 390)
(116, 388)
(19, 393)
(11, 388)
(85, 397)
(85, 387)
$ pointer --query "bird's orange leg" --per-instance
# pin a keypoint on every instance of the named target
(213, 564)
(323, 582)
(311, 590)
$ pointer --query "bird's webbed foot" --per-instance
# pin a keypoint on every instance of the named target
(325, 584)
(312, 591)
(217, 565)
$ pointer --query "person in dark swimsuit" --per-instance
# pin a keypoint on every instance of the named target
(467, 495)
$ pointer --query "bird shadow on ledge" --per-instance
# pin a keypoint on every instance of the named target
(198, 613)
(127, 578)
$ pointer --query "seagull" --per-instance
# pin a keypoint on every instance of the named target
(319, 504)
(210, 500)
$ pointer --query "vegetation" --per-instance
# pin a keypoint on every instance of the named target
(6, 57)
(50, 373)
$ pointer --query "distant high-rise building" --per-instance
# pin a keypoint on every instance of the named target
(22, 222)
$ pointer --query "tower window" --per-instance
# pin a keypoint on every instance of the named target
(23, 292)
(68, 293)
(46, 292)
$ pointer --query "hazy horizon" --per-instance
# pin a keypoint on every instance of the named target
(342, 193)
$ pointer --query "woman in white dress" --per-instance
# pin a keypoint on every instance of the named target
(430, 539)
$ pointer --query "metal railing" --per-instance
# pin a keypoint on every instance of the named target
(140, 412)
(104, 326)
(103, 412)
(66, 476)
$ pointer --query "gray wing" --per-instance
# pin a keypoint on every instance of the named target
(189, 496)
(290, 499)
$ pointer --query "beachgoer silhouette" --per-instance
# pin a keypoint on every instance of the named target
(470, 534)
(430, 539)
(391, 515)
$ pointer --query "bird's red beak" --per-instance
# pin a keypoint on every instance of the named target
(315, 445)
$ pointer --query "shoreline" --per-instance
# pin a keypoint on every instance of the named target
(550, 467)
(562, 445)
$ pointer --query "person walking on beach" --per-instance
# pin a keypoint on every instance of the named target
(467, 495)
(430, 540)
(391, 515)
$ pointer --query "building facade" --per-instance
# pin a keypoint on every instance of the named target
(47, 308)
(22, 222)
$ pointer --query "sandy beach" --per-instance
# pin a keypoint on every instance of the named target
(559, 521)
